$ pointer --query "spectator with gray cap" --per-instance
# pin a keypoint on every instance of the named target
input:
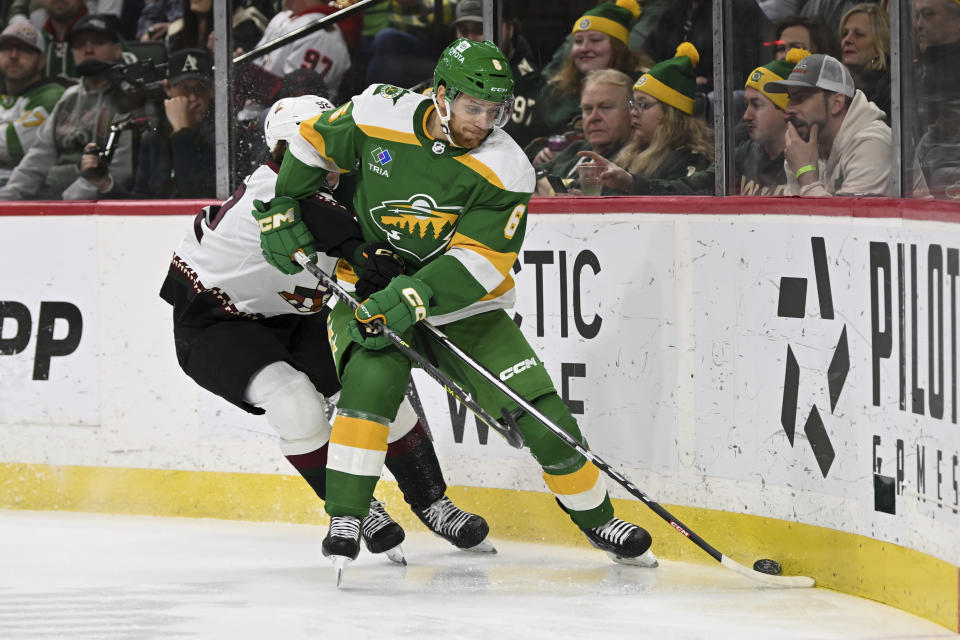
(27, 97)
(836, 140)
(82, 117)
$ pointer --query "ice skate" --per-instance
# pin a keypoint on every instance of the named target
(625, 543)
(381, 534)
(460, 528)
(342, 543)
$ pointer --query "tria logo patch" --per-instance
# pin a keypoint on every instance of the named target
(417, 226)
(381, 156)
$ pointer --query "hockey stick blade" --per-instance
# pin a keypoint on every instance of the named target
(789, 582)
(509, 433)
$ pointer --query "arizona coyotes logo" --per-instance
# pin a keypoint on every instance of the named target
(306, 300)
(416, 226)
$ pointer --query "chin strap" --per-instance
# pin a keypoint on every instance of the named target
(444, 119)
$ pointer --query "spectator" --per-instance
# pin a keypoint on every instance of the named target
(759, 160)
(36, 11)
(49, 170)
(61, 16)
(938, 152)
(639, 32)
(28, 97)
(830, 11)
(403, 47)
(599, 42)
(692, 21)
(937, 33)
(865, 45)
(668, 141)
(526, 77)
(324, 51)
(156, 18)
(176, 161)
(604, 105)
(800, 32)
(194, 28)
(836, 140)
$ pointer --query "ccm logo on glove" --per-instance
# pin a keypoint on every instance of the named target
(278, 219)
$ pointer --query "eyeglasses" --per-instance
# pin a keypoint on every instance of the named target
(640, 107)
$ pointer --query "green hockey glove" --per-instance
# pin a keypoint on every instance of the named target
(402, 303)
(282, 232)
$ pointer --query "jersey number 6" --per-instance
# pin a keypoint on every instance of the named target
(514, 221)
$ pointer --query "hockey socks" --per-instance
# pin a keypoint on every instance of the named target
(413, 462)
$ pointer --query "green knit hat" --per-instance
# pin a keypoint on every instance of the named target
(611, 18)
(673, 81)
(775, 71)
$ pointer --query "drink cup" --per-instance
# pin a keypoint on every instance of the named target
(557, 143)
(590, 184)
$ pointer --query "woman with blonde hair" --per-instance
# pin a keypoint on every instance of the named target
(865, 50)
(600, 38)
(668, 142)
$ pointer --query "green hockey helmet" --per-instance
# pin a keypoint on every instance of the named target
(478, 69)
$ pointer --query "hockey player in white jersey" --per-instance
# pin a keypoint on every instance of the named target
(257, 337)
(325, 51)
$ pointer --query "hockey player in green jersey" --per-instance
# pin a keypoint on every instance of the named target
(442, 190)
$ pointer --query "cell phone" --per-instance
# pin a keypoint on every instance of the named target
(557, 183)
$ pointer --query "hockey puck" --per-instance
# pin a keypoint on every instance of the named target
(765, 565)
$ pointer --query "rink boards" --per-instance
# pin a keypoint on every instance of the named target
(781, 373)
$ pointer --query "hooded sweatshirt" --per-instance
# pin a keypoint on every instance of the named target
(49, 170)
(859, 161)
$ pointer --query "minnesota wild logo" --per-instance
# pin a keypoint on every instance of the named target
(416, 226)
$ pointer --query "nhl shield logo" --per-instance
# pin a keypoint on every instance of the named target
(439, 147)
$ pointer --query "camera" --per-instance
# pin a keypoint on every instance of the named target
(137, 83)
(105, 153)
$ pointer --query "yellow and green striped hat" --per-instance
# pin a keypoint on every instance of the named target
(673, 81)
(611, 18)
(775, 71)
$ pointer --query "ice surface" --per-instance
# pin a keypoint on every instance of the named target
(83, 576)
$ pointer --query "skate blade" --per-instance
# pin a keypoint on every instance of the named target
(339, 564)
(396, 555)
(484, 546)
(646, 559)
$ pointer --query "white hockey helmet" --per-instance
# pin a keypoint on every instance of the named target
(285, 116)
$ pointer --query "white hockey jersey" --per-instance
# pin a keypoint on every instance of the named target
(221, 254)
(323, 51)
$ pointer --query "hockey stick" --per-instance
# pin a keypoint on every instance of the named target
(316, 25)
(508, 430)
(619, 478)
(623, 481)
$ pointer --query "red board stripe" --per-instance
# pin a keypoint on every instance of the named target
(907, 209)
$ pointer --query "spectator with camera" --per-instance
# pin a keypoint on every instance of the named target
(27, 97)
(50, 170)
(176, 159)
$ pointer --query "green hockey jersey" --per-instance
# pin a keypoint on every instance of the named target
(20, 120)
(457, 216)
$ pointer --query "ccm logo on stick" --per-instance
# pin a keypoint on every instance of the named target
(520, 367)
(679, 528)
(47, 346)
